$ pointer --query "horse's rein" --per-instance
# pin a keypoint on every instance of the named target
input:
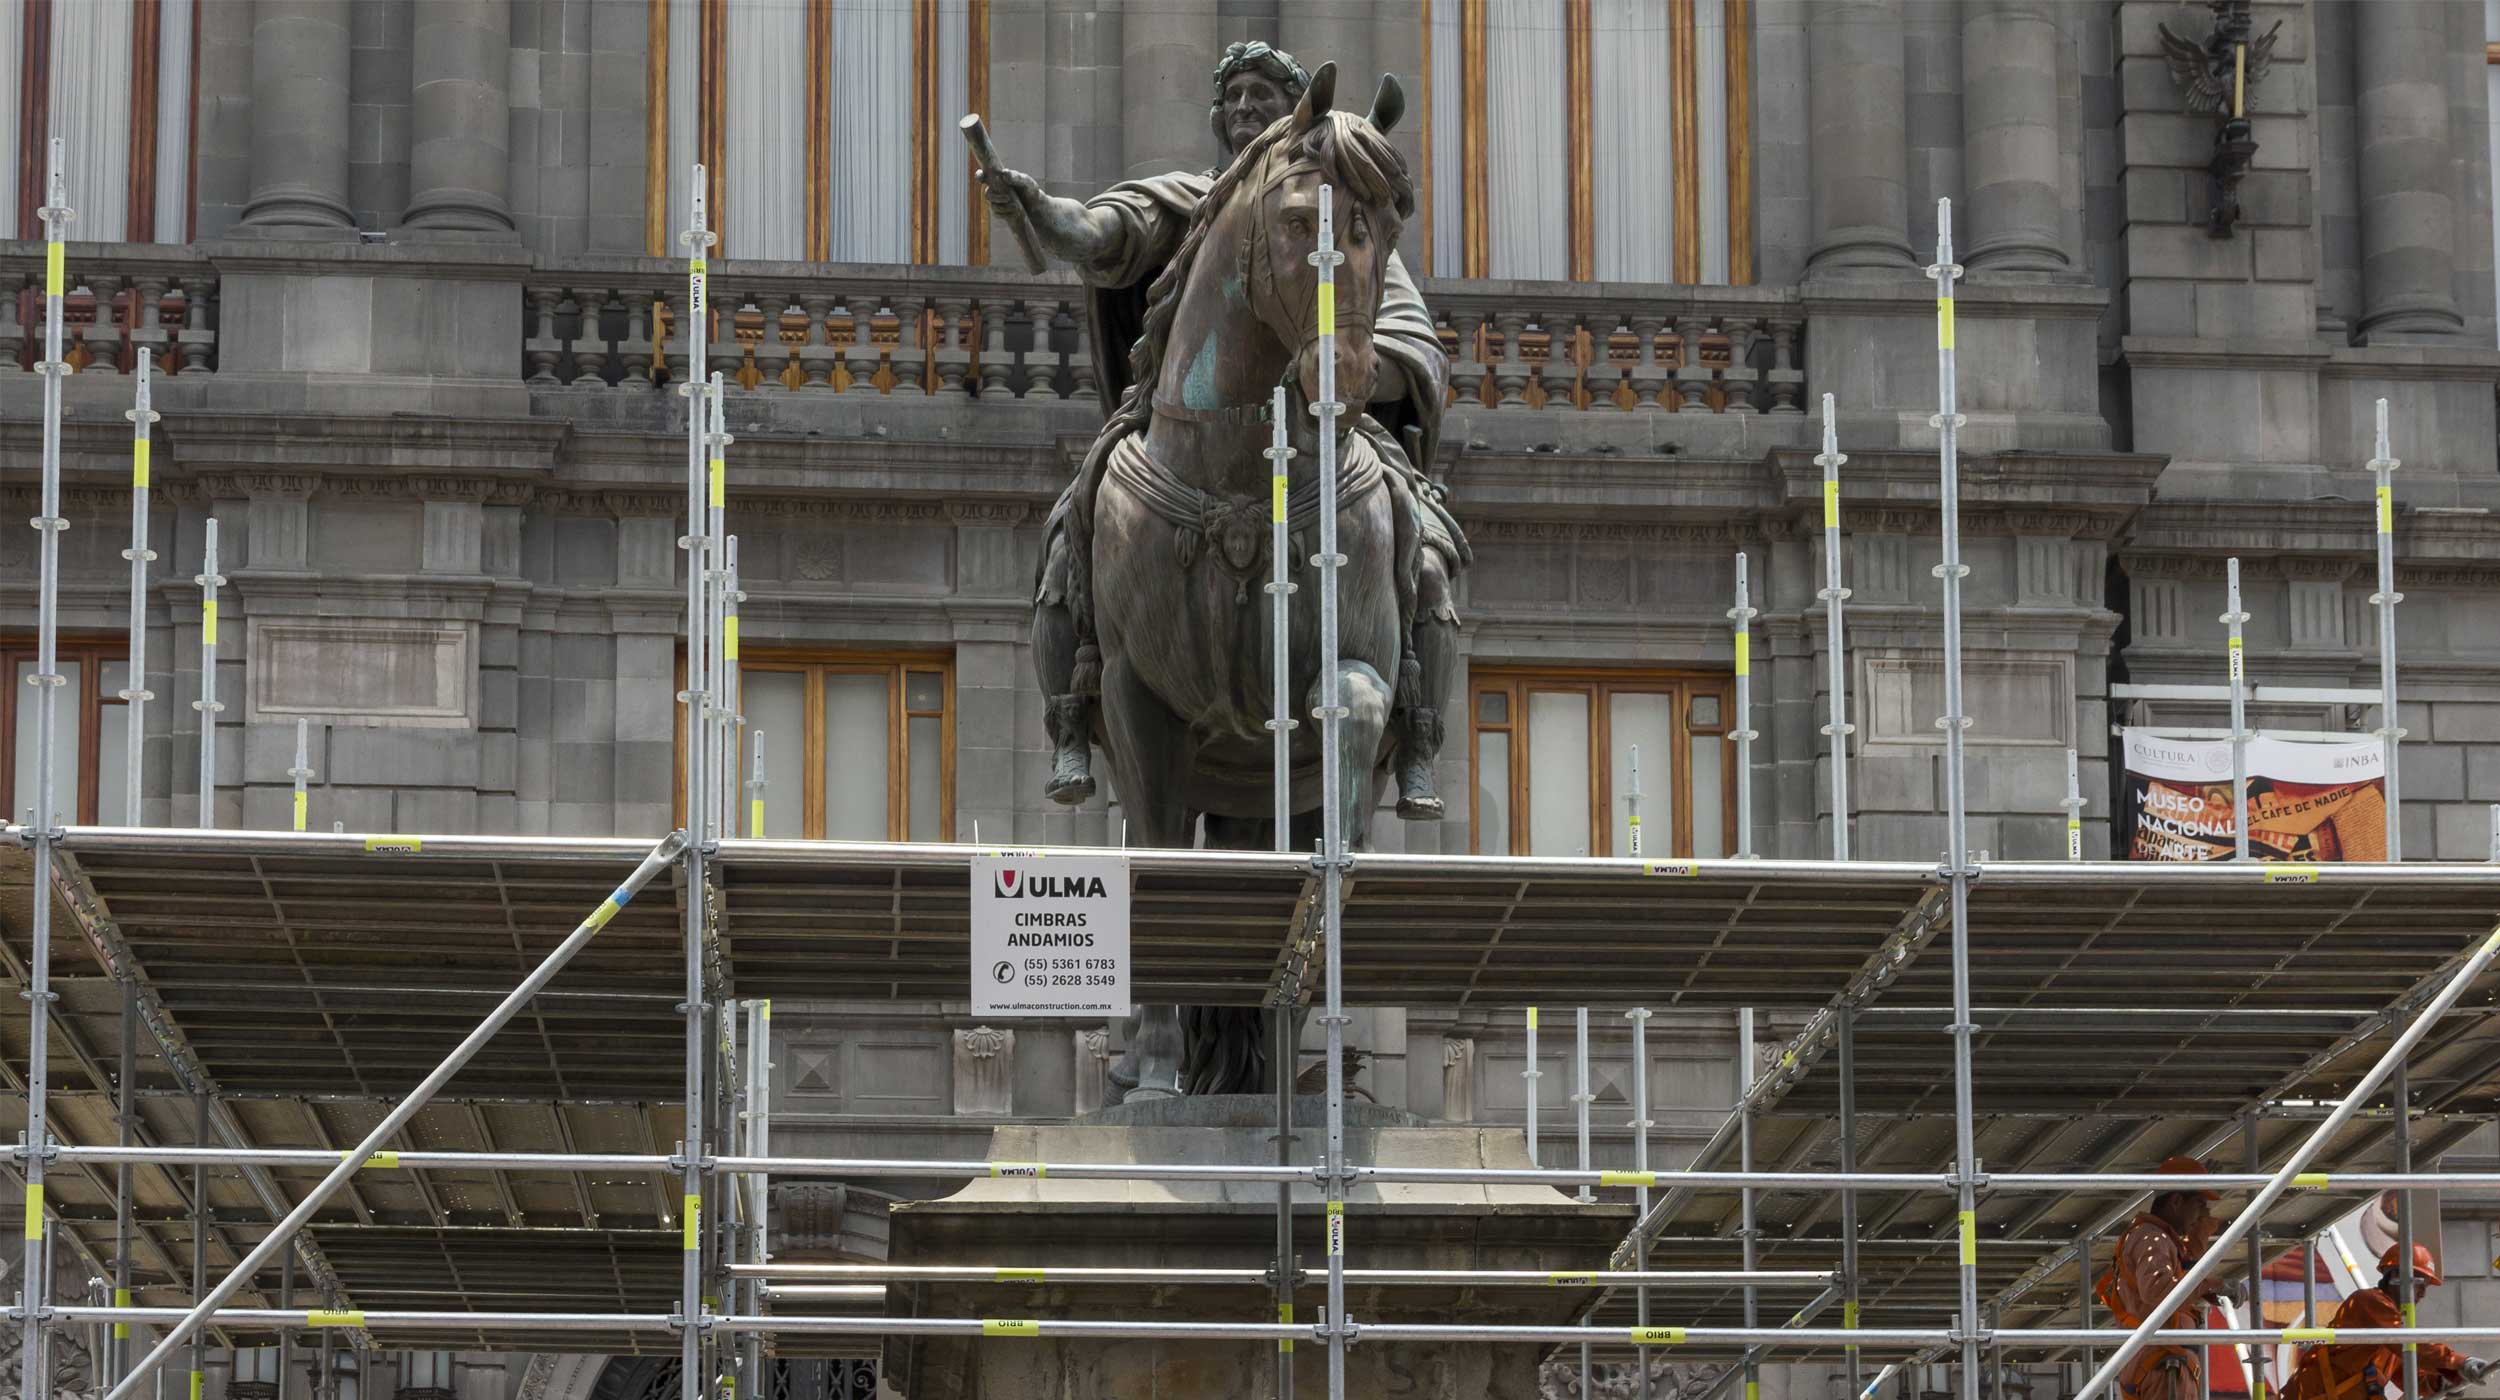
(1304, 319)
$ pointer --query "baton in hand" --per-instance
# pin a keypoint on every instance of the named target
(977, 137)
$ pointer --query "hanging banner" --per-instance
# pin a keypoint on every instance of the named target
(1049, 936)
(2323, 801)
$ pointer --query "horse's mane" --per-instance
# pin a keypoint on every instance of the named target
(1355, 154)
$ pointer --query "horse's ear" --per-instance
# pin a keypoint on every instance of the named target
(1317, 98)
(1388, 104)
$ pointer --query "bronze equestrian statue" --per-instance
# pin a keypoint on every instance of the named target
(1151, 632)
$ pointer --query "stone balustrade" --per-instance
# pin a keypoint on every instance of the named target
(885, 329)
(1601, 347)
(121, 298)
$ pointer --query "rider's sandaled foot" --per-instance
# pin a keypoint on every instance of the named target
(1420, 807)
(1419, 799)
(1070, 720)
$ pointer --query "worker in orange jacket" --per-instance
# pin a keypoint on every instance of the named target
(2152, 1257)
(2365, 1370)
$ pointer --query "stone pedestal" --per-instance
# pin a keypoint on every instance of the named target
(1022, 1223)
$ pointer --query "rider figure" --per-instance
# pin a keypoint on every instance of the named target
(1119, 241)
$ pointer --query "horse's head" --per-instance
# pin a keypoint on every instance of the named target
(1373, 197)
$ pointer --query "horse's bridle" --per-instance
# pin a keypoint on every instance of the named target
(1305, 318)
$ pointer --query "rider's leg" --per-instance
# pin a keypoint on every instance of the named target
(1067, 715)
(1435, 645)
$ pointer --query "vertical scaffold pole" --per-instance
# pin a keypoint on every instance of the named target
(1531, 1074)
(1831, 460)
(1281, 724)
(2083, 1295)
(1639, 1017)
(1632, 801)
(1331, 715)
(2234, 617)
(134, 694)
(2308, 1283)
(1742, 615)
(302, 771)
(2256, 1265)
(2408, 1288)
(1950, 571)
(48, 525)
(1745, 1200)
(1849, 1199)
(2383, 464)
(755, 785)
(199, 1242)
(733, 706)
(208, 705)
(125, 1116)
(1581, 1098)
(759, 1185)
(697, 240)
(2074, 805)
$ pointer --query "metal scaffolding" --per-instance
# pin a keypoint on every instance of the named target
(1416, 931)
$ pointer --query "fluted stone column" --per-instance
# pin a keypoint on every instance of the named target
(2408, 222)
(2010, 138)
(460, 117)
(299, 117)
(1857, 110)
(1167, 54)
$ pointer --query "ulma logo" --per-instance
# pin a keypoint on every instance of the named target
(1016, 884)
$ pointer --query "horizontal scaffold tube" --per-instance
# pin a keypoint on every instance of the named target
(2016, 1183)
(794, 1280)
(247, 1319)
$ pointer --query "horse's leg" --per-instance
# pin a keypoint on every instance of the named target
(1152, 745)
(1367, 700)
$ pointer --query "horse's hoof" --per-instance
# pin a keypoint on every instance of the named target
(1070, 791)
(1425, 808)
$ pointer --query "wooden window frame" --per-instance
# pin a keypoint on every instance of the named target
(16, 704)
(1600, 684)
(817, 663)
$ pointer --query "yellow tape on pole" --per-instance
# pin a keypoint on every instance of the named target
(300, 803)
(34, 1211)
(2291, 874)
(2315, 1181)
(720, 483)
(54, 269)
(1627, 1178)
(320, 1317)
(1276, 498)
(196, 1379)
(1531, 1018)
(379, 1161)
(1002, 1327)
(728, 633)
(1018, 1276)
(1572, 1280)
(1284, 1314)
(1336, 1228)
(755, 818)
(375, 844)
(2386, 510)
(1831, 503)
(1031, 1169)
(208, 622)
(139, 464)
(121, 1299)
(1970, 1238)
(1657, 1336)
(694, 1220)
(1744, 651)
(1944, 323)
(1327, 308)
(2236, 663)
(1849, 1320)
(1670, 867)
(2308, 1334)
(607, 910)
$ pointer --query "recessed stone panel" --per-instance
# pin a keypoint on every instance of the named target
(363, 672)
(2010, 700)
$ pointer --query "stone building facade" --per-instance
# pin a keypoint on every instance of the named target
(410, 299)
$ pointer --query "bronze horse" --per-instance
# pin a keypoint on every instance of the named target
(1183, 627)
(1174, 546)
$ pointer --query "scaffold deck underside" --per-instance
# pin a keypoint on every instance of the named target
(316, 977)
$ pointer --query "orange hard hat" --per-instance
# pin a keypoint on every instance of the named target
(2187, 1166)
(2423, 1268)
